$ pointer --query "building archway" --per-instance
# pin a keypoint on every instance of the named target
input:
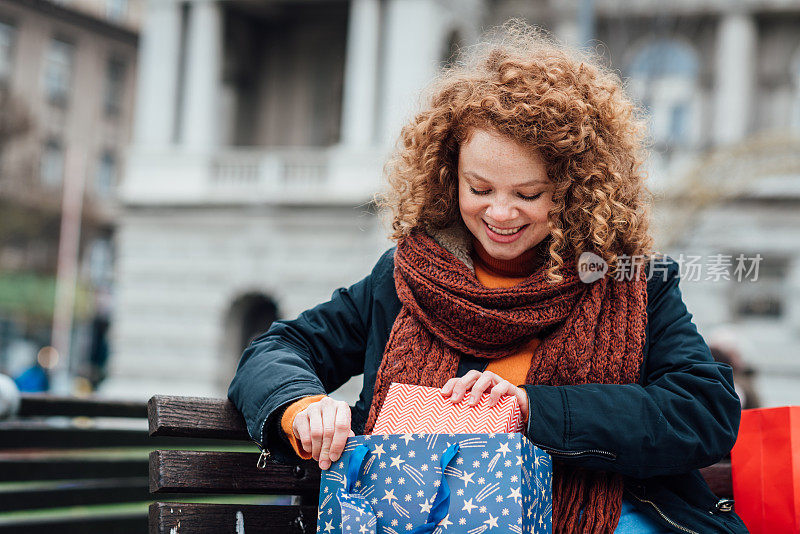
(248, 316)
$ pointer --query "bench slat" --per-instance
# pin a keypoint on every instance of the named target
(214, 518)
(195, 417)
(75, 493)
(241, 475)
(118, 524)
(718, 478)
(19, 467)
(39, 434)
(228, 472)
(30, 435)
(40, 405)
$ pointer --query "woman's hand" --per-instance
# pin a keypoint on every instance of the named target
(323, 428)
(476, 383)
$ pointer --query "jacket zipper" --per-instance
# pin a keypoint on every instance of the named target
(263, 458)
(663, 516)
(551, 451)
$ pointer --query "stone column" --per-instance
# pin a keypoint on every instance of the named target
(568, 31)
(361, 73)
(157, 81)
(203, 70)
(415, 40)
(736, 43)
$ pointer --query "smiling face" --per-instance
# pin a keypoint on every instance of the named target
(504, 194)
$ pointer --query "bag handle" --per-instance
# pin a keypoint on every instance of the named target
(441, 502)
(354, 466)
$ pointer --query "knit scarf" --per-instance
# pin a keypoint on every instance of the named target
(590, 333)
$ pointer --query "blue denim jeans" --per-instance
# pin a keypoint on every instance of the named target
(633, 521)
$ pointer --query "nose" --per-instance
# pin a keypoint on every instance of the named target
(501, 211)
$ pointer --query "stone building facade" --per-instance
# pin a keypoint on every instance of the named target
(261, 131)
(67, 78)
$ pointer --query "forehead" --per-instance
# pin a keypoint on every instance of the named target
(491, 156)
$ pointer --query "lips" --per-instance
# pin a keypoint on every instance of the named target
(512, 233)
(505, 231)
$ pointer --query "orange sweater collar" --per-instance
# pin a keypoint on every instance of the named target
(521, 266)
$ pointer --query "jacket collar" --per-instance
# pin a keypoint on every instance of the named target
(457, 240)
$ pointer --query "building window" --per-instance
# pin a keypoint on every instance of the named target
(101, 262)
(116, 9)
(51, 171)
(663, 77)
(106, 178)
(765, 296)
(453, 48)
(115, 78)
(58, 71)
(6, 50)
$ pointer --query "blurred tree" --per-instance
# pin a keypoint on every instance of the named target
(27, 219)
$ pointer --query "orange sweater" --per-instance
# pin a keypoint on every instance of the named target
(491, 273)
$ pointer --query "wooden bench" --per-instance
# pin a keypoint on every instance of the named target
(246, 473)
(241, 473)
(76, 465)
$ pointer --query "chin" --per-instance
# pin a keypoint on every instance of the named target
(500, 253)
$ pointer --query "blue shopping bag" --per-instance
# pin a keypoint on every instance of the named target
(437, 483)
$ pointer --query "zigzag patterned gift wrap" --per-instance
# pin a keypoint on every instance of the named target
(414, 409)
(497, 483)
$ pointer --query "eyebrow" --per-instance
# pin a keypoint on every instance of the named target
(530, 182)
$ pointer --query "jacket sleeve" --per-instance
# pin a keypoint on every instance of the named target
(311, 355)
(683, 415)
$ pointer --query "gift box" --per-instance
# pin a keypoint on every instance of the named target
(410, 409)
(436, 483)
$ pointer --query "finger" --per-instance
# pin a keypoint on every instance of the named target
(302, 431)
(482, 384)
(351, 434)
(463, 384)
(522, 400)
(341, 431)
(447, 389)
(315, 430)
(499, 390)
(328, 429)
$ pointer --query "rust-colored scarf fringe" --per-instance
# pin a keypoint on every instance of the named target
(591, 333)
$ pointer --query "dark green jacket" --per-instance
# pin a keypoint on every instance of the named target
(681, 416)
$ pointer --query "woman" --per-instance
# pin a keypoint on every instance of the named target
(525, 159)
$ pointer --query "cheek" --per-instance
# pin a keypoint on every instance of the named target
(540, 212)
(467, 204)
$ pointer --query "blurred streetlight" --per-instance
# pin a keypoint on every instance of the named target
(67, 269)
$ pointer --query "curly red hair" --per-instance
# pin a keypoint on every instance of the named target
(559, 101)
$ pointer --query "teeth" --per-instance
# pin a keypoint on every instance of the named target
(504, 232)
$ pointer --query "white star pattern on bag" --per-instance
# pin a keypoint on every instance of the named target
(526, 486)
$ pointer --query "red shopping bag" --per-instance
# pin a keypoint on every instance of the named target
(765, 466)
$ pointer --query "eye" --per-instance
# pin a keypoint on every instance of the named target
(476, 192)
(531, 197)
